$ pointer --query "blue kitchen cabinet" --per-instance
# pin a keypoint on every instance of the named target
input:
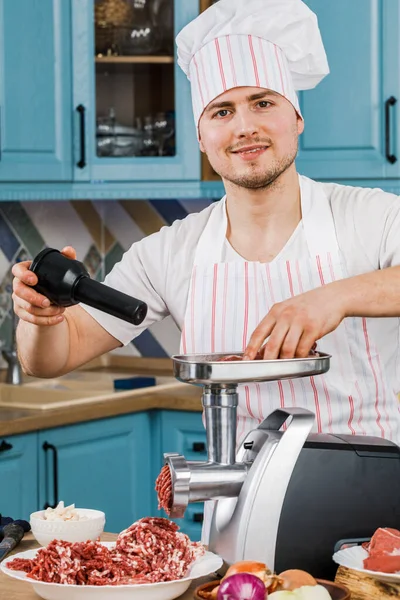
(102, 464)
(182, 432)
(35, 90)
(352, 124)
(132, 104)
(18, 475)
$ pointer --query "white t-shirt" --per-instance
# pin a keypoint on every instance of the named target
(158, 268)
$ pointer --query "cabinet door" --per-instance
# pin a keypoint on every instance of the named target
(18, 476)
(133, 113)
(183, 432)
(347, 116)
(35, 90)
(103, 464)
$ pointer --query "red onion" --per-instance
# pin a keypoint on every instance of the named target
(242, 586)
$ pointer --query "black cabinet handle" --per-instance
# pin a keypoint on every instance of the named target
(82, 134)
(198, 447)
(198, 517)
(392, 158)
(4, 446)
(46, 446)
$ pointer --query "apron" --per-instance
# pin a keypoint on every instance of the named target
(228, 300)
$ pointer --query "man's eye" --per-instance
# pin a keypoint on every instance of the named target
(264, 103)
(222, 113)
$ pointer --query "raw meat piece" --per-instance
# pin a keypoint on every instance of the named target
(384, 551)
(164, 489)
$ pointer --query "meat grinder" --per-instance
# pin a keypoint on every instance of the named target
(286, 498)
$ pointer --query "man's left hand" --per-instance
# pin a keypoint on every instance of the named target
(293, 326)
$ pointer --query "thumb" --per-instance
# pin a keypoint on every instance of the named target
(69, 252)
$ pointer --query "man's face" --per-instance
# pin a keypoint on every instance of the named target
(250, 136)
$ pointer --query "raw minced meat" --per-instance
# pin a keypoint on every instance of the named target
(149, 551)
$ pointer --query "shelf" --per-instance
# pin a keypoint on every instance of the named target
(134, 59)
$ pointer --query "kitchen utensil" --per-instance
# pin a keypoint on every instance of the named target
(286, 497)
(13, 534)
(66, 282)
(167, 590)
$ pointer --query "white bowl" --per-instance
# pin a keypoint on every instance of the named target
(70, 531)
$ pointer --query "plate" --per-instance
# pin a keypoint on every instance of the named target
(207, 368)
(165, 590)
(353, 558)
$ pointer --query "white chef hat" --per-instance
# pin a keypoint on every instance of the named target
(273, 44)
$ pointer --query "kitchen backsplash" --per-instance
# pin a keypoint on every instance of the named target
(100, 232)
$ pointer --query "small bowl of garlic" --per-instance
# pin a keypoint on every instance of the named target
(67, 523)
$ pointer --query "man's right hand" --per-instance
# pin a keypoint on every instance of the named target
(29, 305)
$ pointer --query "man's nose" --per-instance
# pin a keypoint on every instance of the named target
(246, 124)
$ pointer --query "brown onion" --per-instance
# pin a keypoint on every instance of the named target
(294, 578)
(258, 569)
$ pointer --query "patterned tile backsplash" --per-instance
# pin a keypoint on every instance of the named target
(100, 232)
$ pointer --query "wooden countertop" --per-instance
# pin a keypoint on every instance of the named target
(179, 397)
(12, 589)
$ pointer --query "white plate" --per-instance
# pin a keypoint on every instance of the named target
(353, 558)
(168, 590)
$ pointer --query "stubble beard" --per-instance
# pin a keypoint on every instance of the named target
(253, 180)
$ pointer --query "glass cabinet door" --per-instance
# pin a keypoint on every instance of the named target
(135, 117)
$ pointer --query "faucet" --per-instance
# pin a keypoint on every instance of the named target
(14, 371)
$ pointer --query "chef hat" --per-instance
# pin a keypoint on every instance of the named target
(273, 44)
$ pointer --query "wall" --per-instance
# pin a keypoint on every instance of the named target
(100, 232)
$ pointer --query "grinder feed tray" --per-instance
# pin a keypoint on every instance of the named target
(207, 369)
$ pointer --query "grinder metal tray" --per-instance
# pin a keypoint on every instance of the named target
(206, 368)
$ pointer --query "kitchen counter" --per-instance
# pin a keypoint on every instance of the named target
(12, 589)
(176, 396)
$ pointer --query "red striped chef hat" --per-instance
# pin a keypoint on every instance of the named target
(273, 44)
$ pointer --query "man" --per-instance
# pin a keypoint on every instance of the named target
(279, 263)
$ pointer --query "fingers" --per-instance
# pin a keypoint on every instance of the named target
(272, 348)
(258, 337)
(69, 251)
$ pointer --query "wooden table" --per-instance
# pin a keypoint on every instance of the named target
(12, 589)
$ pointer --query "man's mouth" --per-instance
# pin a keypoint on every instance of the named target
(250, 150)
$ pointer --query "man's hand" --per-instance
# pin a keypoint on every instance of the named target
(293, 326)
(29, 305)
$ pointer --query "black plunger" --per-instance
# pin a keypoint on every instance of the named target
(65, 281)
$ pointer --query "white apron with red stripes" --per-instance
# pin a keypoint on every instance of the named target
(228, 300)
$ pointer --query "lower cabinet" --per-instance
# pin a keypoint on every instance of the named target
(183, 432)
(102, 464)
(18, 475)
(108, 464)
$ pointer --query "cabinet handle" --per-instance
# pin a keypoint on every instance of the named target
(82, 134)
(198, 447)
(4, 446)
(392, 158)
(46, 446)
(198, 517)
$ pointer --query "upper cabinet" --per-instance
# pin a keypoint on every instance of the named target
(35, 90)
(132, 108)
(352, 124)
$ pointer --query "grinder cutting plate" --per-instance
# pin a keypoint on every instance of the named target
(208, 369)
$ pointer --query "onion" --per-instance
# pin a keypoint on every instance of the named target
(242, 586)
(295, 578)
(249, 566)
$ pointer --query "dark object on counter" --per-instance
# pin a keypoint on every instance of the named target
(66, 282)
(13, 534)
(7, 520)
(133, 383)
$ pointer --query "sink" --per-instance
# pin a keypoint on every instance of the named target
(78, 387)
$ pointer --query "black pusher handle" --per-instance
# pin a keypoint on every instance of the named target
(65, 282)
(390, 157)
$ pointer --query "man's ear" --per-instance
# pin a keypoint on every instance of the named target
(300, 125)
(202, 149)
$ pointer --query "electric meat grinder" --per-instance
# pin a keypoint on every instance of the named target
(289, 499)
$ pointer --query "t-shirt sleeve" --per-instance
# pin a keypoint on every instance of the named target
(389, 254)
(141, 273)
(368, 226)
